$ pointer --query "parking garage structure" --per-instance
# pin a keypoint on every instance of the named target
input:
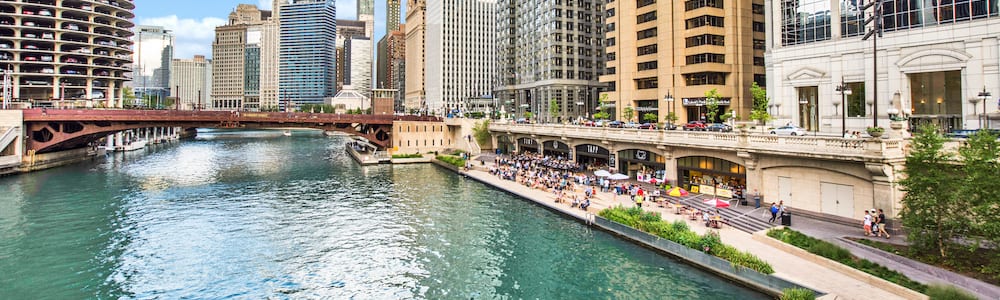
(66, 53)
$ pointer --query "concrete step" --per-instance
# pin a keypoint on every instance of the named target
(744, 222)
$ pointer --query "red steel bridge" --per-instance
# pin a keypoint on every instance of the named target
(52, 130)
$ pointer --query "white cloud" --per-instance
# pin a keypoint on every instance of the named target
(192, 36)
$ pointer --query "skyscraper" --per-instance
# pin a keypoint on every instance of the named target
(416, 37)
(557, 60)
(345, 30)
(366, 13)
(308, 59)
(460, 59)
(391, 15)
(190, 81)
(229, 58)
(151, 61)
(357, 52)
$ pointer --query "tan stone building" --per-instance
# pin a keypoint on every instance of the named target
(682, 48)
(415, 62)
(229, 55)
(191, 81)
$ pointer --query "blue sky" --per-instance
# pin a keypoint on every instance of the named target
(194, 21)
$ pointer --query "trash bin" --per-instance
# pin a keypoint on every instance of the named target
(786, 219)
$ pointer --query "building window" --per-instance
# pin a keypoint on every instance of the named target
(609, 13)
(641, 3)
(705, 39)
(760, 79)
(611, 27)
(805, 21)
(758, 61)
(610, 71)
(758, 9)
(610, 42)
(759, 44)
(705, 78)
(703, 21)
(696, 4)
(649, 65)
(648, 33)
(646, 17)
(646, 83)
(851, 18)
(856, 100)
(758, 26)
(808, 110)
(645, 50)
(706, 58)
(612, 56)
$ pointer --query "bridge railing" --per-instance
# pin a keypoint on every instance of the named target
(38, 114)
(791, 145)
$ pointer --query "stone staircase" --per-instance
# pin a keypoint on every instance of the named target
(749, 221)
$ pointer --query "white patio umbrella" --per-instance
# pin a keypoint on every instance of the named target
(618, 176)
(602, 173)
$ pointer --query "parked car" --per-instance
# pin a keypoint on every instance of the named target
(48, 71)
(616, 124)
(631, 125)
(522, 121)
(31, 35)
(718, 127)
(44, 13)
(589, 123)
(695, 125)
(30, 58)
(102, 73)
(28, 12)
(46, 57)
(4, 56)
(28, 23)
(70, 60)
(48, 36)
(32, 47)
(71, 72)
(670, 126)
(71, 27)
(37, 82)
(789, 130)
(5, 46)
(647, 126)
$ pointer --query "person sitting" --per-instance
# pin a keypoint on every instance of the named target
(585, 204)
(575, 202)
(705, 217)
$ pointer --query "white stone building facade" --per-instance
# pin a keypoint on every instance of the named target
(459, 53)
(934, 64)
(191, 81)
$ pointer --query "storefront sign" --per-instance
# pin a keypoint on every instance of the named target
(703, 101)
(592, 149)
(611, 160)
(706, 189)
(724, 193)
(641, 155)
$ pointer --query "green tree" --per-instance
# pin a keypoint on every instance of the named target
(528, 115)
(128, 96)
(671, 117)
(649, 117)
(553, 108)
(712, 104)
(602, 115)
(980, 189)
(627, 113)
(931, 209)
(760, 102)
(481, 131)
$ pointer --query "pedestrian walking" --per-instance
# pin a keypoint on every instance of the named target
(881, 224)
(774, 212)
(867, 223)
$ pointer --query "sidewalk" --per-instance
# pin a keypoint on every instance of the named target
(786, 266)
(923, 273)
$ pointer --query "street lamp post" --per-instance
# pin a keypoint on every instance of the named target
(984, 95)
(844, 92)
(670, 106)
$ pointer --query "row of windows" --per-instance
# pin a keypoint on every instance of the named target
(646, 83)
(705, 58)
(704, 21)
(649, 65)
(569, 50)
(696, 4)
(705, 78)
(645, 34)
(705, 39)
(641, 3)
(645, 50)
(646, 17)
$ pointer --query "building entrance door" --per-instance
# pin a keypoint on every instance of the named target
(785, 190)
(837, 199)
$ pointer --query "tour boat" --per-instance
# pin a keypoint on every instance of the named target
(287, 133)
(134, 145)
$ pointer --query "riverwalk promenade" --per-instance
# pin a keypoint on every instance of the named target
(786, 266)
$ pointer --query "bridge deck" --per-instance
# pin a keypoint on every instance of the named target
(123, 115)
